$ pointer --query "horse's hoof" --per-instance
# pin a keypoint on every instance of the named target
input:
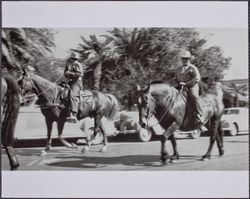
(43, 153)
(164, 162)
(174, 157)
(221, 152)
(84, 150)
(104, 149)
(14, 168)
(172, 160)
(205, 158)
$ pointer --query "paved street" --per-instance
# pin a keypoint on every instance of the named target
(133, 155)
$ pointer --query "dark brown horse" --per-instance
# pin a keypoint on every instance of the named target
(174, 111)
(10, 110)
(96, 105)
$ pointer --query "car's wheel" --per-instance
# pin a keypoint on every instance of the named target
(233, 131)
(195, 134)
(145, 135)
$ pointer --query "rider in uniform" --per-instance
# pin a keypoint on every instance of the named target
(189, 76)
(74, 73)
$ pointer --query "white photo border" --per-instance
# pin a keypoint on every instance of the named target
(124, 184)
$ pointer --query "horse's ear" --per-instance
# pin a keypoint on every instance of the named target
(24, 72)
(148, 89)
(138, 88)
(30, 68)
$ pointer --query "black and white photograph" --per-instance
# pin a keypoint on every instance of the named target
(126, 99)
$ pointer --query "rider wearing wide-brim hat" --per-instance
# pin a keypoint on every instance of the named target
(189, 76)
(74, 73)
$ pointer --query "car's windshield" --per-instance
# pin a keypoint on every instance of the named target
(231, 111)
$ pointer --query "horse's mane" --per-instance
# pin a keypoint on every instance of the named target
(164, 95)
(46, 86)
(46, 82)
(162, 89)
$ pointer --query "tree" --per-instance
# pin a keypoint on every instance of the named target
(95, 54)
(24, 46)
(237, 90)
(150, 54)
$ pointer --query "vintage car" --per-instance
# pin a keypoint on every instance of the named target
(128, 123)
(235, 120)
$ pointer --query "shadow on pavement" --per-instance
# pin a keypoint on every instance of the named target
(100, 162)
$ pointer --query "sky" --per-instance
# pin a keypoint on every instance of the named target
(233, 41)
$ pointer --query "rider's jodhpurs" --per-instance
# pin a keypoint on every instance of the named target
(193, 93)
(74, 94)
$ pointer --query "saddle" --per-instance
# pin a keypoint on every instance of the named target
(85, 98)
(62, 97)
(191, 109)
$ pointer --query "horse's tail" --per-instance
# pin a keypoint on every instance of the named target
(10, 117)
(110, 114)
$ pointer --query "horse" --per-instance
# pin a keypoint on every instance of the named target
(55, 109)
(173, 110)
(10, 110)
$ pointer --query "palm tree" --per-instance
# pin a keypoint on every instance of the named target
(22, 46)
(237, 90)
(95, 53)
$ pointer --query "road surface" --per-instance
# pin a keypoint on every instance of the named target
(133, 155)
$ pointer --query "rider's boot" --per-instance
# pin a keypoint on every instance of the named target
(72, 118)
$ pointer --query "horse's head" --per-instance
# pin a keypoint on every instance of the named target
(146, 105)
(25, 82)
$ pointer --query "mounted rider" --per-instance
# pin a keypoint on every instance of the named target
(74, 73)
(188, 75)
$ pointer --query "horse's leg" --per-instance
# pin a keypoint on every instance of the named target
(176, 155)
(49, 124)
(105, 139)
(86, 147)
(167, 134)
(8, 130)
(164, 153)
(219, 140)
(14, 164)
(213, 134)
(10, 99)
(98, 119)
(60, 126)
(97, 124)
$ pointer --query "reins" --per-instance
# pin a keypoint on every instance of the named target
(41, 93)
(180, 93)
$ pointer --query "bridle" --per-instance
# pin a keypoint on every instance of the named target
(33, 86)
(24, 84)
(149, 116)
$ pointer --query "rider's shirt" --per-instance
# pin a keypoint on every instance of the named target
(76, 70)
(188, 74)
